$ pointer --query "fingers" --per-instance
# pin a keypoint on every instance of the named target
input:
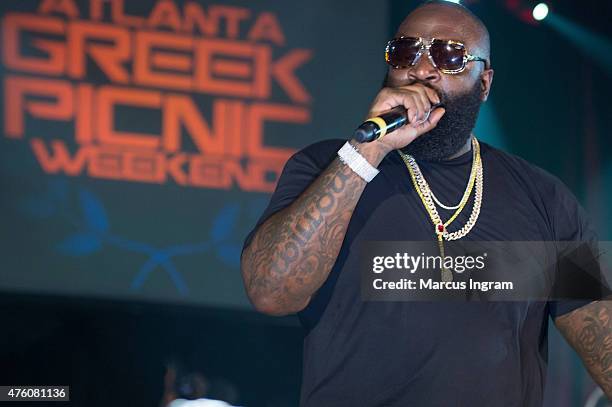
(431, 122)
(428, 97)
(432, 95)
(416, 99)
(422, 106)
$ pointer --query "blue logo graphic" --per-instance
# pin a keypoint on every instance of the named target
(93, 233)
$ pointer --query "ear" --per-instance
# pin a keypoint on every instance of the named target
(486, 80)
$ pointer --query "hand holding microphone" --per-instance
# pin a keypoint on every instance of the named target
(387, 122)
(400, 115)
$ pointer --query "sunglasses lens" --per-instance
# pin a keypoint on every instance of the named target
(447, 56)
(401, 52)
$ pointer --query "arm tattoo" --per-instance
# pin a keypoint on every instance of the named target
(589, 330)
(292, 253)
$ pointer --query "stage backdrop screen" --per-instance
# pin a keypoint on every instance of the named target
(141, 140)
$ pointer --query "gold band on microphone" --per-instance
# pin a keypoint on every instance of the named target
(382, 125)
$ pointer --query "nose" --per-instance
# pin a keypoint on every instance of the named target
(424, 70)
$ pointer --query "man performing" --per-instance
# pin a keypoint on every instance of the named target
(303, 255)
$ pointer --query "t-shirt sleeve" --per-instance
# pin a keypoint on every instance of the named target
(299, 172)
(579, 279)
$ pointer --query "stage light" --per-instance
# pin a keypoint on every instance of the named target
(454, 1)
(540, 11)
(595, 46)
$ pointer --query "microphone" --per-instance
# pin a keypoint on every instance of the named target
(391, 120)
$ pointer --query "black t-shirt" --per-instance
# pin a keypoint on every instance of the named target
(360, 353)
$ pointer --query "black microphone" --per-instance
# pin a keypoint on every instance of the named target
(384, 123)
(380, 125)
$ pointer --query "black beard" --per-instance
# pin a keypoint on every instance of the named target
(453, 129)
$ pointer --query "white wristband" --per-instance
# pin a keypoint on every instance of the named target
(351, 157)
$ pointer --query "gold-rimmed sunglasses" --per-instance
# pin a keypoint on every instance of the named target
(450, 57)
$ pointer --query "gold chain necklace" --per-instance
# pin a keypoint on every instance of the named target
(424, 191)
(466, 193)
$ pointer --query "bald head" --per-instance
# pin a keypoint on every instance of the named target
(449, 21)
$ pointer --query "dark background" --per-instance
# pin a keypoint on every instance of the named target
(549, 104)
